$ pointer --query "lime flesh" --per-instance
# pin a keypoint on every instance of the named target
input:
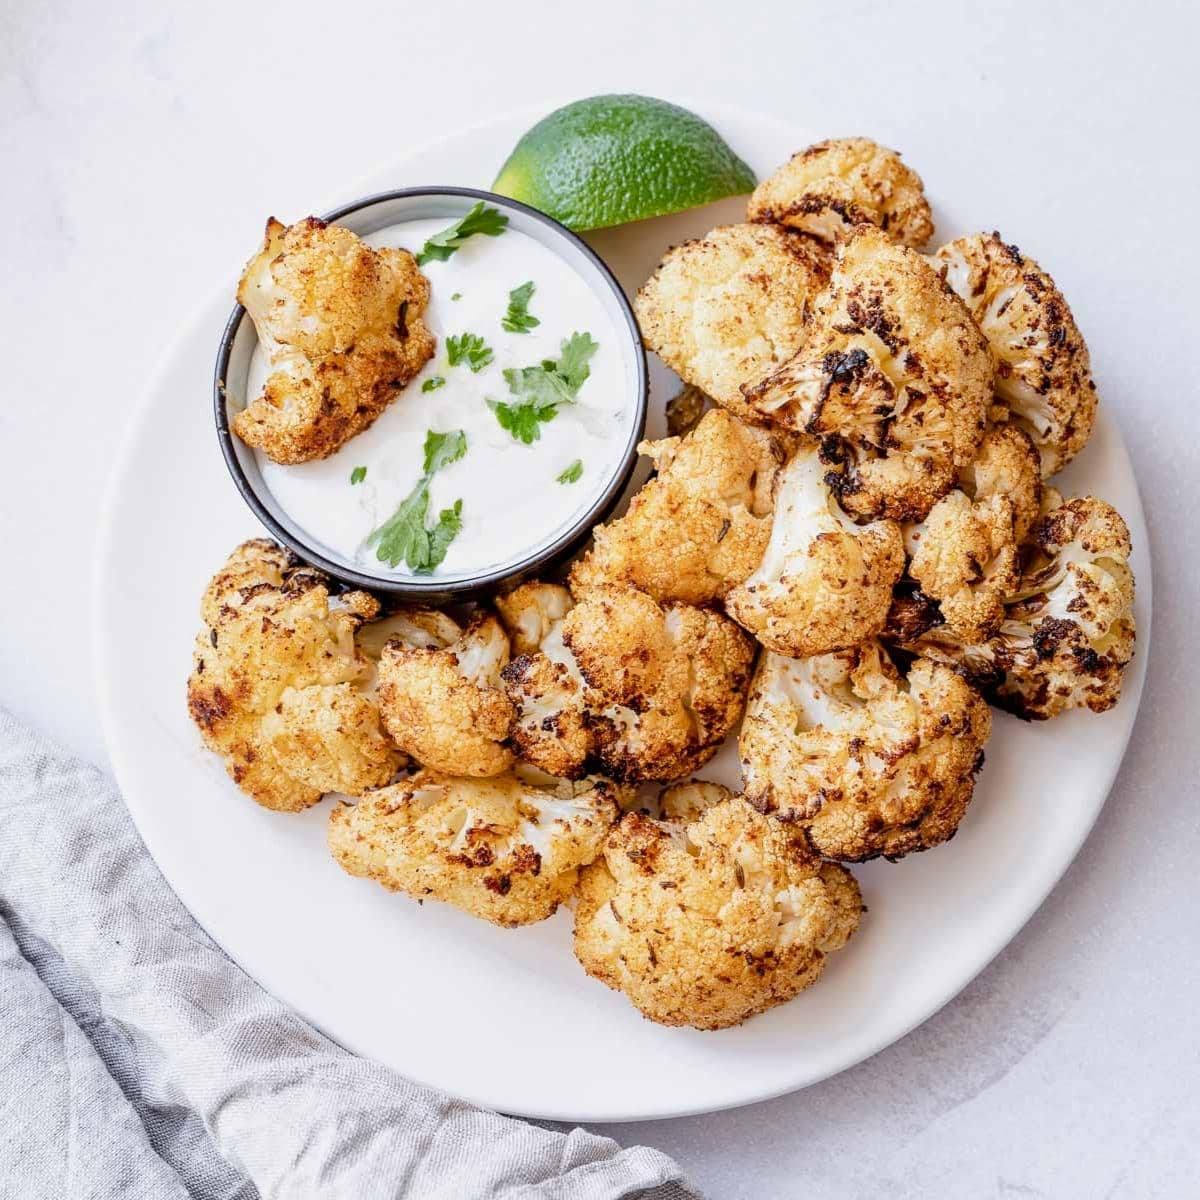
(609, 160)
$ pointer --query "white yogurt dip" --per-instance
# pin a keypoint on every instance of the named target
(512, 501)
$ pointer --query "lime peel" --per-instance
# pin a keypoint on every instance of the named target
(609, 160)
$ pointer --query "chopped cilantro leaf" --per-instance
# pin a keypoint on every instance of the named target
(358, 475)
(481, 219)
(523, 420)
(456, 296)
(468, 348)
(573, 473)
(536, 385)
(442, 449)
(574, 355)
(448, 527)
(404, 537)
(433, 383)
(539, 391)
(518, 319)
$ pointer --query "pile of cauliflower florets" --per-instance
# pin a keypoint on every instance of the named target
(848, 548)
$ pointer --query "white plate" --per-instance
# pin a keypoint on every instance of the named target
(507, 1018)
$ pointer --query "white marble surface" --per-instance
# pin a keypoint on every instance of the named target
(141, 146)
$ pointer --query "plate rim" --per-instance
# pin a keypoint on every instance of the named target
(102, 674)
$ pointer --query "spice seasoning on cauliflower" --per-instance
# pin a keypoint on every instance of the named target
(341, 327)
(832, 186)
(444, 703)
(824, 582)
(966, 553)
(1043, 369)
(507, 849)
(279, 689)
(731, 307)
(701, 524)
(894, 380)
(647, 691)
(865, 761)
(712, 917)
(1068, 631)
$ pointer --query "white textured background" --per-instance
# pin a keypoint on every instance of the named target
(141, 145)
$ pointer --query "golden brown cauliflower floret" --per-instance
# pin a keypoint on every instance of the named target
(531, 612)
(341, 326)
(824, 582)
(507, 849)
(701, 524)
(894, 380)
(1068, 630)
(647, 691)
(444, 703)
(1007, 465)
(966, 553)
(711, 918)
(1043, 369)
(279, 688)
(834, 185)
(865, 761)
(731, 307)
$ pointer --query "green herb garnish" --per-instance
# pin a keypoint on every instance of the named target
(481, 219)
(433, 383)
(405, 537)
(574, 355)
(573, 473)
(468, 348)
(540, 391)
(456, 296)
(518, 318)
(358, 475)
(523, 421)
(442, 449)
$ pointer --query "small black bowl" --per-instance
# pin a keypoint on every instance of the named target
(364, 217)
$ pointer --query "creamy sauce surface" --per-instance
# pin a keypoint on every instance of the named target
(511, 500)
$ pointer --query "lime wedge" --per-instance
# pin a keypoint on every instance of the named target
(608, 160)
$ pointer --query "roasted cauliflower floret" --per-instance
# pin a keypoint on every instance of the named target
(731, 307)
(531, 612)
(690, 800)
(966, 553)
(701, 524)
(1068, 630)
(644, 690)
(1043, 369)
(824, 582)
(894, 380)
(444, 703)
(507, 849)
(832, 186)
(279, 689)
(341, 326)
(1007, 465)
(865, 761)
(711, 918)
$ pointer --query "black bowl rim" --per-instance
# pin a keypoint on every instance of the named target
(435, 591)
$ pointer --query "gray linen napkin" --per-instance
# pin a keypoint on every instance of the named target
(136, 1060)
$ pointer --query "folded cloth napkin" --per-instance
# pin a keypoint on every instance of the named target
(137, 1061)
